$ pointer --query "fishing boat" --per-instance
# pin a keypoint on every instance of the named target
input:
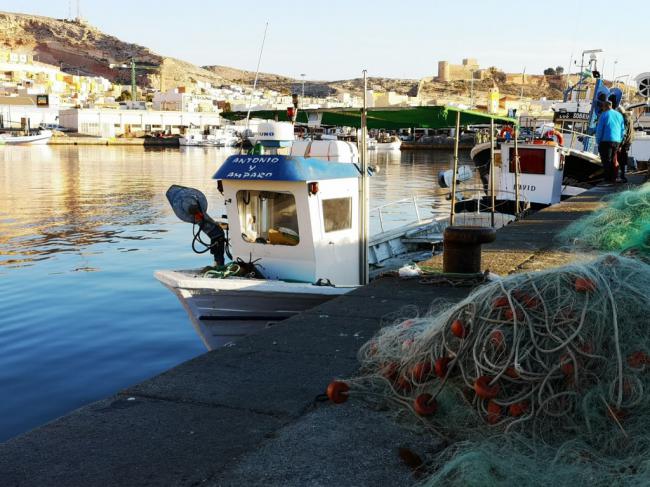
(37, 137)
(573, 128)
(388, 143)
(295, 233)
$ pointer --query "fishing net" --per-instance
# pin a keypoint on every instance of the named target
(547, 369)
(615, 226)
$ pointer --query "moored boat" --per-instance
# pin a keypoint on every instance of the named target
(41, 137)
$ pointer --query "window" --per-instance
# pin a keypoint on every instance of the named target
(337, 214)
(267, 217)
(531, 161)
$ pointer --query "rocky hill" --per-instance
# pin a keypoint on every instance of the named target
(77, 46)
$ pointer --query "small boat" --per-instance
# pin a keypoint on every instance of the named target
(293, 231)
(388, 143)
(40, 137)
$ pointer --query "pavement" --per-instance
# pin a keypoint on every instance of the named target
(252, 413)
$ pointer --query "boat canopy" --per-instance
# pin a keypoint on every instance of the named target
(283, 168)
(435, 117)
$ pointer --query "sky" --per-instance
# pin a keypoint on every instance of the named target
(337, 39)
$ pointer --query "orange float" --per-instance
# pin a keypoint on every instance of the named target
(494, 412)
(338, 392)
(484, 390)
(458, 329)
(425, 405)
(441, 366)
(583, 285)
(421, 371)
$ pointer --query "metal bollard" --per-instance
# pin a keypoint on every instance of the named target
(462, 248)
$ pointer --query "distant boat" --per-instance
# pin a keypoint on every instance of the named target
(40, 138)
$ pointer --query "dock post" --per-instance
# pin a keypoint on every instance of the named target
(516, 134)
(363, 201)
(452, 216)
(492, 179)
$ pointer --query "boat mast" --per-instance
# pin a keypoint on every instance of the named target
(257, 73)
(363, 200)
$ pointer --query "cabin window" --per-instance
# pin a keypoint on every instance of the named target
(268, 217)
(531, 161)
(337, 214)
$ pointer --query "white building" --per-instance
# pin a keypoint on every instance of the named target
(178, 99)
(14, 110)
(111, 123)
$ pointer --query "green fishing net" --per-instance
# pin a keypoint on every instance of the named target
(536, 379)
(616, 226)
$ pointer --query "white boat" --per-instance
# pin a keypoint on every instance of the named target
(390, 143)
(294, 233)
(41, 137)
(197, 140)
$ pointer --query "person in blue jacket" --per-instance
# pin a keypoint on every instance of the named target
(609, 134)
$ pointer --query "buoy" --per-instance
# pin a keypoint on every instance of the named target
(566, 365)
(421, 371)
(512, 373)
(484, 390)
(500, 302)
(637, 359)
(390, 371)
(425, 405)
(337, 392)
(403, 384)
(494, 412)
(458, 329)
(510, 315)
(497, 338)
(441, 366)
(517, 409)
(583, 285)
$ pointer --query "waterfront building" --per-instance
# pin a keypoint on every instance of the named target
(182, 100)
(19, 110)
(112, 123)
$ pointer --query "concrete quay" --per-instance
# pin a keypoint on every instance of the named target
(252, 413)
(139, 141)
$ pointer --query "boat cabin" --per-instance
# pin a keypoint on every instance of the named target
(296, 216)
(541, 168)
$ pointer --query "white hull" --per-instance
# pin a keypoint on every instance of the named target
(640, 148)
(224, 310)
(39, 139)
(396, 145)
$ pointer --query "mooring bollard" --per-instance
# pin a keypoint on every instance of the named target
(462, 248)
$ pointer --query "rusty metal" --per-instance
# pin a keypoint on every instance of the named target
(462, 248)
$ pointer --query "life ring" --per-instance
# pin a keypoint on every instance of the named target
(555, 133)
(506, 129)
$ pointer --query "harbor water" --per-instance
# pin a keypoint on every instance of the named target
(82, 230)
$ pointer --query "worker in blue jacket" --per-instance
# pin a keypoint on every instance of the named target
(609, 134)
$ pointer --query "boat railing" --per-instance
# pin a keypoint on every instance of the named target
(380, 209)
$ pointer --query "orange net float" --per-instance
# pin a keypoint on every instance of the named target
(501, 302)
(403, 384)
(584, 285)
(494, 412)
(458, 329)
(509, 315)
(517, 409)
(638, 359)
(421, 371)
(441, 366)
(512, 373)
(497, 338)
(338, 391)
(425, 405)
(484, 390)
(566, 365)
(390, 371)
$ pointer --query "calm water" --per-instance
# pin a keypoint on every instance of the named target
(81, 231)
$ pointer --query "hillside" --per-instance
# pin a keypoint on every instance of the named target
(80, 46)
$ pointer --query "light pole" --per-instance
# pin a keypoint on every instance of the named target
(614, 71)
(302, 75)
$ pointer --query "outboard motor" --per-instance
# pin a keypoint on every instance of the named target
(190, 205)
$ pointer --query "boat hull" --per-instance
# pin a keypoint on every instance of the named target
(40, 139)
(225, 310)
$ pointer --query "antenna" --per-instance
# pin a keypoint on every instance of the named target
(257, 72)
(79, 9)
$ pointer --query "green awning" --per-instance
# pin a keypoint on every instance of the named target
(434, 117)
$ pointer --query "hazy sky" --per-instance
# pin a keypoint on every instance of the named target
(336, 39)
